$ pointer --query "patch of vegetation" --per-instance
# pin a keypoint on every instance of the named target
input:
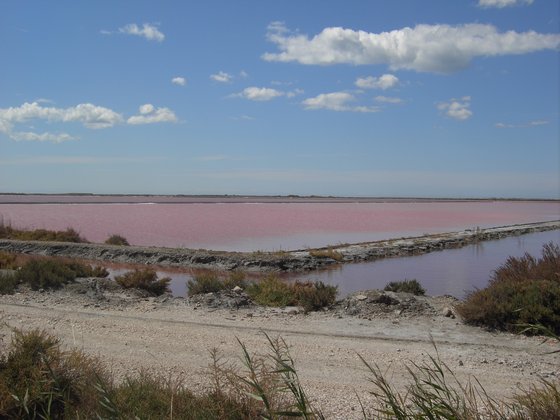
(326, 253)
(38, 379)
(68, 235)
(408, 286)
(8, 283)
(117, 240)
(144, 280)
(51, 273)
(8, 261)
(205, 283)
(312, 296)
(523, 290)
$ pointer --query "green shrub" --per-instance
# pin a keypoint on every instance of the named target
(204, 283)
(117, 240)
(407, 286)
(145, 280)
(314, 296)
(272, 292)
(523, 290)
(53, 273)
(8, 283)
(46, 274)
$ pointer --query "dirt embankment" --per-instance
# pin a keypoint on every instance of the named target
(174, 336)
(299, 260)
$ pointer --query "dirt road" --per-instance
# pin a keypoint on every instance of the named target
(172, 335)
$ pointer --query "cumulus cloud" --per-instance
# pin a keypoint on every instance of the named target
(89, 115)
(423, 48)
(500, 4)
(458, 109)
(180, 81)
(221, 77)
(383, 82)
(388, 99)
(150, 115)
(336, 101)
(148, 31)
(254, 93)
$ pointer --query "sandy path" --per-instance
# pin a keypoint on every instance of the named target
(173, 336)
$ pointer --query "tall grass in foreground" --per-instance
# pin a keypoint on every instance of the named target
(38, 379)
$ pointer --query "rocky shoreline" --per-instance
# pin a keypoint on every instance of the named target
(297, 260)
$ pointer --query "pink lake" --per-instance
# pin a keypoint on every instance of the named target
(250, 226)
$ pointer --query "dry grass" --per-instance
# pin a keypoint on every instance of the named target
(144, 280)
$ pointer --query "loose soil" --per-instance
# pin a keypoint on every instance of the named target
(132, 331)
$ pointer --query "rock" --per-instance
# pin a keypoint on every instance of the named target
(360, 297)
(237, 289)
(448, 312)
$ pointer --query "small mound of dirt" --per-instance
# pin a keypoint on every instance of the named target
(224, 299)
(376, 303)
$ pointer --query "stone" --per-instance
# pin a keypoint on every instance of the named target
(448, 312)
(237, 289)
(361, 297)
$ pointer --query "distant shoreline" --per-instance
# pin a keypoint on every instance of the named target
(86, 198)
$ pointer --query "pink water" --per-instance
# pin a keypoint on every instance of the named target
(271, 226)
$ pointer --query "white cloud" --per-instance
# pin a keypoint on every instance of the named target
(424, 48)
(254, 93)
(336, 101)
(388, 99)
(150, 115)
(535, 123)
(30, 136)
(383, 82)
(458, 109)
(91, 116)
(181, 81)
(150, 32)
(221, 77)
(500, 4)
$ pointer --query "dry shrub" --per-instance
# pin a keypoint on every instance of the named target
(117, 240)
(314, 295)
(39, 380)
(8, 283)
(408, 286)
(68, 235)
(144, 280)
(524, 290)
(204, 283)
(8, 261)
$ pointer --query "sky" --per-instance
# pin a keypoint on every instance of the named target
(399, 98)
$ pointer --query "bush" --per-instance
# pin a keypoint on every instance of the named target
(8, 261)
(235, 279)
(310, 295)
(39, 380)
(46, 274)
(272, 292)
(53, 273)
(407, 286)
(314, 296)
(8, 283)
(145, 280)
(117, 240)
(68, 235)
(523, 290)
(205, 283)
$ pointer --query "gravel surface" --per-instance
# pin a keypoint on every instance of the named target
(174, 335)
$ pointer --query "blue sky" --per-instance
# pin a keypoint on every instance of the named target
(372, 98)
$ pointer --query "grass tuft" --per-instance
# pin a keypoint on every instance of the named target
(409, 286)
(144, 280)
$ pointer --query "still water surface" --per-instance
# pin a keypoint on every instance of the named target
(453, 272)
